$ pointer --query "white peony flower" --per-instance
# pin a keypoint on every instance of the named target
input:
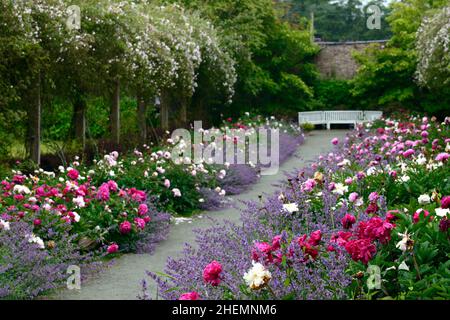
(340, 189)
(290, 207)
(424, 199)
(257, 277)
(442, 212)
(79, 202)
(34, 239)
(4, 225)
(21, 189)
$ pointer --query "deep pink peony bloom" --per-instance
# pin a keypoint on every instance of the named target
(348, 220)
(445, 202)
(335, 141)
(125, 227)
(103, 192)
(190, 296)
(262, 250)
(37, 222)
(408, 153)
(315, 237)
(276, 242)
(211, 273)
(142, 209)
(137, 195)
(113, 248)
(140, 223)
(112, 185)
(375, 229)
(442, 157)
(372, 208)
(73, 174)
(361, 250)
(307, 248)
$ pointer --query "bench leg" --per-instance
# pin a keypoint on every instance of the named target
(328, 125)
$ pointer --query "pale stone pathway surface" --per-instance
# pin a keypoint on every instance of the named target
(123, 280)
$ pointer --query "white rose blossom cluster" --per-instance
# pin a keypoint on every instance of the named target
(433, 49)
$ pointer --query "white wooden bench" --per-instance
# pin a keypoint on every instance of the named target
(337, 117)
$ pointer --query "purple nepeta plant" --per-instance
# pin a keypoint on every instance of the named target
(28, 270)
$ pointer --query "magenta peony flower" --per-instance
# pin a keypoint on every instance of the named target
(348, 220)
(190, 296)
(103, 192)
(211, 273)
(372, 208)
(262, 250)
(442, 157)
(125, 227)
(143, 209)
(315, 237)
(140, 223)
(361, 250)
(408, 153)
(113, 248)
(335, 141)
(73, 174)
(445, 202)
(37, 222)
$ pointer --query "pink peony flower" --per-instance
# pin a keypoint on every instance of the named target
(140, 223)
(211, 273)
(353, 197)
(112, 185)
(167, 183)
(103, 192)
(37, 222)
(113, 248)
(190, 296)
(442, 157)
(408, 153)
(418, 213)
(142, 209)
(335, 141)
(374, 196)
(73, 174)
(125, 227)
(176, 192)
(348, 220)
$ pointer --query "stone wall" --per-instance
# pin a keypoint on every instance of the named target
(335, 59)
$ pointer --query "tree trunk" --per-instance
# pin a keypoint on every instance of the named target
(115, 113)
(183, 113)
(164, 112)
(79, 121)
(141, 119)
(34, 121)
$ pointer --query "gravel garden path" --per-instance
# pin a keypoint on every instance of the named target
(123, 280)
